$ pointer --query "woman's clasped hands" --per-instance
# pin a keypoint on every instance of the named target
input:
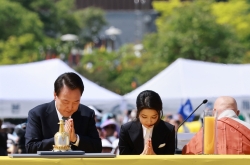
(148, 148)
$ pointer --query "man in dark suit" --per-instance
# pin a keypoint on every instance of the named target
(43, 120)
(3, 141)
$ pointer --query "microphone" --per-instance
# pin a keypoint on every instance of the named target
(179, 151)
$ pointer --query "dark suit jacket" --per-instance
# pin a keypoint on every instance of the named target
(43, 124)
(3, 143)
(131, 141)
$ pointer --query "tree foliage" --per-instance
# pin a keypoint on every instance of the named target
(21, 31)
(190, 31)
(19, 49)
(185, 29)
(201, 30)
(61, 17)
(91, 20)
(30, 29)
(120, 71)
(16, 21)
(235, 14)
(58, 17)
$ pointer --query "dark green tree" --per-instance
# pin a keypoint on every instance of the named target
(16, 21)
(58, 16)
(21, 34)
(91, 20)
(30, 29)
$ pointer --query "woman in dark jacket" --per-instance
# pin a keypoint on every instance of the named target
(148, 134)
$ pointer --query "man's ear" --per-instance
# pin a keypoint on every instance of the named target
(237, 112)
(54, 95)
(214, 110)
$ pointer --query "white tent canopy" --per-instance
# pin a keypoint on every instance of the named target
(198, 80)
(24, 86)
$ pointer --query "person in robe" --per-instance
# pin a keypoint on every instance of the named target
(233, 134)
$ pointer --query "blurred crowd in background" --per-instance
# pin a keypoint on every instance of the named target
(12, 137)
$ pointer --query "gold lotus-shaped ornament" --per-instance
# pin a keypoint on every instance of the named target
(61, 139)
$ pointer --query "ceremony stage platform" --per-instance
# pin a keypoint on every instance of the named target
(134, 160)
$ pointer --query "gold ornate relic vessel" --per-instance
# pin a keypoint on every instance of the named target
(61, 139)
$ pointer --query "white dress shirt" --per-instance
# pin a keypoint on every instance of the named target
(60, 118)
(147, 133)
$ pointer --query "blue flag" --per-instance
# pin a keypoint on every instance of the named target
(185, 110)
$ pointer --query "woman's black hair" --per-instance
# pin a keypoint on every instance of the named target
(149, 100)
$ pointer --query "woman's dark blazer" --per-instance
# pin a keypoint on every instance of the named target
(131, 141)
